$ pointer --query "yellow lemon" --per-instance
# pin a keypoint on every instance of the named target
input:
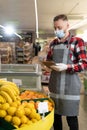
(24, 119)
(37, 116)
(11, 110)
(3, 113)
(5, 106)
(27, 111)
(14, 104)
(0, 105)
(30, 105)
(33, 113)
(16, 120)
(34, 120)
(33, 110)
(19, 112)
(23, 125)
(29, 122)
(21, 107)
(18, 102)
(8, 118)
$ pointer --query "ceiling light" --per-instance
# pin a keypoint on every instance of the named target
(1, 36)
(9, 30)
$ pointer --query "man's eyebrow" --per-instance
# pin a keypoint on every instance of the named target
(59, 27)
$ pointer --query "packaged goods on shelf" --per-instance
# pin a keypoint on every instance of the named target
(25, 52)
(7, 52)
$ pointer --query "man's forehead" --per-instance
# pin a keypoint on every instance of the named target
(60, 22)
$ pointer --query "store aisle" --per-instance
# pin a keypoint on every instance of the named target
(82, 115)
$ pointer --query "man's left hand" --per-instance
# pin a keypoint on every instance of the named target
(59, 67)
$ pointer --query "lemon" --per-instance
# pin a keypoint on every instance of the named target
(34, 120)
(24, 103)
(24, 119)
(18, 102)
(30, 105)
(21, 107)
(2, 113)
(16, 120)
(29, 122)
(8, 118)
(19, 112)
(27, 111)
(33, 113)
(33, 110)
(5, 106)
(0, 105)
(14, 104)
(23, 125)
(11, 110)
(37, 116)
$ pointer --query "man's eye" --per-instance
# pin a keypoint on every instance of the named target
(59, 28)
(55, 28)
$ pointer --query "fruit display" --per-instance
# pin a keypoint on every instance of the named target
(15, 110)
(12, 109)
(29, 94)
(36, 98)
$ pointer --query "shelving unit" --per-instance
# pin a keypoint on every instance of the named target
(29, 75)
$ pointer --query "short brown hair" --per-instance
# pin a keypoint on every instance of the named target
(61, 16)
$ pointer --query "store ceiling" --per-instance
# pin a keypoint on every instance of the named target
(21, 13)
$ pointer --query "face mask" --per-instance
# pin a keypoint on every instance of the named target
(59, 33)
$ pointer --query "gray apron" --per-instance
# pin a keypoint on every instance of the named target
(64, 87)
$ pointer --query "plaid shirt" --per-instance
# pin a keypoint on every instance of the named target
(77, 54)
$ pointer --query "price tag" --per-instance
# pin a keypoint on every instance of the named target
(43, 107)
(18, 82)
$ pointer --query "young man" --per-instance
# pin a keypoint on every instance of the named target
(69, 54)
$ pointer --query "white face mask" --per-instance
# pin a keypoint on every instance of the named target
(59, 33)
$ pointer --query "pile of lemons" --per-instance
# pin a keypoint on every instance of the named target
(19, 114)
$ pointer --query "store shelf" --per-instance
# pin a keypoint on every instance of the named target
(30, 75)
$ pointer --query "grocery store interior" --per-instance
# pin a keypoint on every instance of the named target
(26, 31)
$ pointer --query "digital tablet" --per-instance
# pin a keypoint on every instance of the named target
(48, 63)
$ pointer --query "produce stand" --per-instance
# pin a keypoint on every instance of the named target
(27, 73)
